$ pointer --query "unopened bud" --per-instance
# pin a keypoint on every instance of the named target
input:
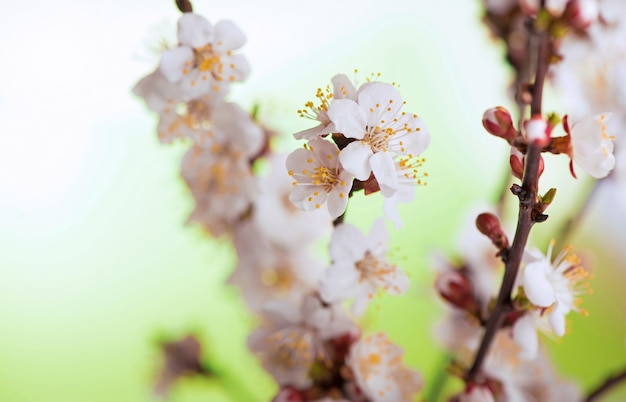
(581, 14)
(498, 121)
(489, 225)
(516, 160)
(457, 289)
(537, 131)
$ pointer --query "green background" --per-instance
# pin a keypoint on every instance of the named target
(96, 262)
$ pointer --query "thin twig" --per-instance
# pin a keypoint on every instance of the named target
(607, 385)
(527, 195)
(184, 6)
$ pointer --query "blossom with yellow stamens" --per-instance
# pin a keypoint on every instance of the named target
(591, 147)
(552, 285)
(319, 177)
(204, 62)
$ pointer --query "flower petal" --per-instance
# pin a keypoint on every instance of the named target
(525, 335)
(348, 117)
(173, 62)
(338, 282)
(194, 30)
(557, 320)
(343, 87)
(355, 158)
(228, 36)
(538, 289)
(385, 172)
(347, 243)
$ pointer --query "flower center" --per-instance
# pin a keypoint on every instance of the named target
(206, 59)
(324, 96)
(378, 138)
(371, 267)
(323, 176)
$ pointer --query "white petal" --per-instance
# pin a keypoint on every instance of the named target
(194, 30)
(338, 282)
(539, 290)
(378, 237)
(310, 133)
(228, 36)
(337, 202)
(347, 243)
(355, 158)
(375, 98)
(343, 87)
(240, 70)
(173, 62)
(390, 209)
(305, 198)
(385, 173)
(557, 321)
(348, 117)
(364, 295)
(525, 335)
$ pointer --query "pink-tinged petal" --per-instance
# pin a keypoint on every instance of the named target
(525, 335)
(355, 158)
(377, 238)
(281, 313)
(337, 203)
(297, 164)
(538, 289)
(557, 321)
(157, 92)
(326, 147)
(343, 87)
(307, 197)
(194, 30)
(347, 243)
(310, 133)
(228, 36)
(385, 172)
(238, 68)
(348, 117)
(173, 62)
(338, 282)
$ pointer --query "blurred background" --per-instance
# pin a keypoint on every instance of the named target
(97, 265)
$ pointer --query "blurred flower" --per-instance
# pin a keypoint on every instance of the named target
(293, 337)
(591, 145)
(359, 267)
(203, 63)
(378, 370)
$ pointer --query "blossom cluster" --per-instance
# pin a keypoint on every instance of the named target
(499, 294)
(306, 340)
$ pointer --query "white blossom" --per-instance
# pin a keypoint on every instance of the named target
(359, 267)
(551, 284)
(319, 177)
(592, 146)
(204, 62)
(378, 369)
(292, 338)
(342, 89)
(383, 132)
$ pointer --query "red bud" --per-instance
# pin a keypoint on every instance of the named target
(497, 121)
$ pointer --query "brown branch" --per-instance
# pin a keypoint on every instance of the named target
(608, 384)
(527, 194)
(184, 6)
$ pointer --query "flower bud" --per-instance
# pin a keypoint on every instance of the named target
(497, 121)
(457, 289)
(516, 160)
(537, 131)
(489, 225)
